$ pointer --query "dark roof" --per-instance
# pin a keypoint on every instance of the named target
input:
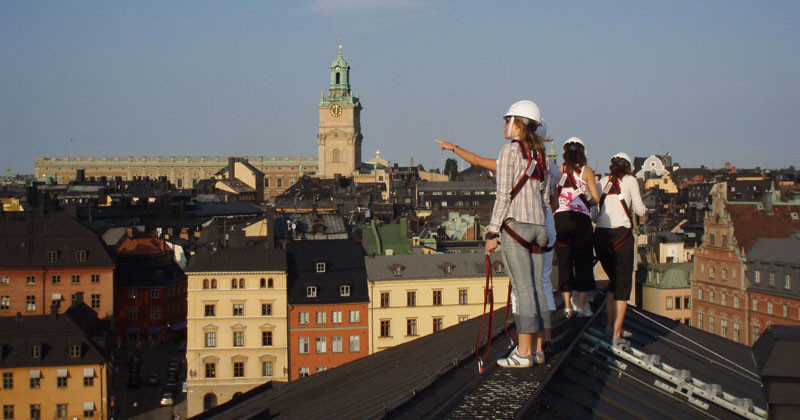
(775, 250)
(344, 265)
(141, 271)
(79, 325)
(238, 259)
(233, 208)
(436, 376)
(26, 238)
(455, 185)
(427, 266)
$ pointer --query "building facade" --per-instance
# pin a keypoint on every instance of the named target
(236, 324)
(328, 305)
(667, 291)
(415, 295)
(773, 273)
(55, 366)
(339, 134)
(50, 257)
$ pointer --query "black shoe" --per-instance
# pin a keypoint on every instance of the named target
(547, 348)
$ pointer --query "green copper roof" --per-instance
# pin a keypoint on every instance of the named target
(389, 236)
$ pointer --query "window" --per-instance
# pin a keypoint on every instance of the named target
(321, 369)
(211, 370)
(411, 326)
(772, 279)
(270, 284)
(154, 294)
(711, 296)
(36, 412)
(785, 311)
(80, 256)
(234, 284)
(303, 370)
(8, 380)
(384, 299)
(266, 338)
(411, 298)
(262, 283)
(723, 328)
(336, 317)
(322, 317)
(724, 241)
(699, 321)
(133, 313)
(211, 339)
(52, 256)
(266, 309)
(437, 297)
(699, 294)
(205, 283)
(355, 344)
(437, 324)
(769, 308)
(238, 339)
(61, 411)
(95, 301)
(711, 271)
(711, 238)
(36, 382)
(736, 302)
(238, 369)
(311, 291)
(61, 382)
(755, 333)
(686, 300)
(213, 283)
(397, 269)
(88, 381)
(210, 310)
(355, 316)
(56, 279)
(320, 267)
(669, 302)
(302, 317)
(303, 348)
(30, 303)
(322, 344)
(711, 324)
(462, 297)
(266, 368)
(724, 299)
(155, 312)
(75, 279)
(448, 268)
(132, 294)
(238, 309)
(757, 277)
(266, 182)
(36, 351)
(30, 280)
(462, 318)
(95, 278)
(242, 284)
(336, 344)
(755, 304)
(5, 303)
(724, 274)
(75, 350)
(344, 290)
(385, 327)
(677, 302)
(736, 331)
(498, 267)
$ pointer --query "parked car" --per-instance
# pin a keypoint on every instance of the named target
(167, 396)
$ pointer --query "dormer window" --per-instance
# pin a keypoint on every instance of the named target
(448, 268)
(344, 290)
(311, 291)
(498, 267)
(397, 269)
(75, 350)
(52, 256)
(320, 267)
(36, 352)
(80, 255)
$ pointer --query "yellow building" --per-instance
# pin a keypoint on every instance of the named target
(416, 295)
(664, 182)
(236, 324)
(54, 367)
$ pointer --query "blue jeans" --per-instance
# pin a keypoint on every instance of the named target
(525, 270)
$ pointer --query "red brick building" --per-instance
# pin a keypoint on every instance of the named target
(49, 257)
(721, 302)
(150, 291)
(773, 271)
(328, 298)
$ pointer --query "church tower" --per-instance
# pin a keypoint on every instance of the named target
(339, 135)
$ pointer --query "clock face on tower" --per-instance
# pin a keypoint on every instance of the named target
(336, 110)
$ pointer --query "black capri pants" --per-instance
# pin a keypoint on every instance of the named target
(614, 247)
(574, 252)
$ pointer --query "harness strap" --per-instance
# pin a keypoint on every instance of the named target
(616, 190)
(619, 243)
(570, 180)
(538, 170)
(488, 297)
(533, 247)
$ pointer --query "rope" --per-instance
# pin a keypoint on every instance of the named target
(488, 296)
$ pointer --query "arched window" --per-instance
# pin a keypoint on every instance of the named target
(270, 283)
(263, 283)
(234, 283)
(335, 156)
(213, 283)
(209, 401)
(338, 78)
(205, 283)
(241, 283)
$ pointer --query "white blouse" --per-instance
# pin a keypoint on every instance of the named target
(612, 215)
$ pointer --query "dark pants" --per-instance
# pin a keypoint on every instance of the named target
(574, 251)
(615, 252)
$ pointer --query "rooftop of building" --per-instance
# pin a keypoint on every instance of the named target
(752, 221)
(239, 259)
(430, 266)
(343, 265)
(775, 250)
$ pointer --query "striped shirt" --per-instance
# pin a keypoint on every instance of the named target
(527, 206)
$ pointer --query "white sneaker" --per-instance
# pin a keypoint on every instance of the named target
(585, 312)
(568, 313)
(514, 360)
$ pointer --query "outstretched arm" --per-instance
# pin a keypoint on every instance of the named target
(470, 157)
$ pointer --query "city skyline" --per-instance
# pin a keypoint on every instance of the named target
(151, 79)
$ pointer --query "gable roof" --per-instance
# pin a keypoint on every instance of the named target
(344, 265)
(751, 221)
(427, 266)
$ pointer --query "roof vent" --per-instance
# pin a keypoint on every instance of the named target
(794, 215)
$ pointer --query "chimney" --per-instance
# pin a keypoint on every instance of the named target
(768, 197)
(775, 354)
(231, 168)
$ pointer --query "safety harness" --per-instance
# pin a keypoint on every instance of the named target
(536, 169)
(488, 297)
(568, 180)
(613, 188)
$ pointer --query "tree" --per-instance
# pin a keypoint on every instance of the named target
(451, 168)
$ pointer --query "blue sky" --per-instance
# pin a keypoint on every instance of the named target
(709, 81)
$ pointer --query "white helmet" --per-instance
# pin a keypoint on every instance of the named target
(625, 156)
(575, 140)
(525, 109)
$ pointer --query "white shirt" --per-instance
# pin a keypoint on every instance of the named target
(612, 214)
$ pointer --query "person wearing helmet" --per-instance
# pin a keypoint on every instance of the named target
(614, 240)
(577, 192)
(491, 164)
(518, 218)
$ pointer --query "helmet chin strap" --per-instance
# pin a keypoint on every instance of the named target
(510, 124)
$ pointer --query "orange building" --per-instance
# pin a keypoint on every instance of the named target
(55, 366)
(49, 257)
(328, 305)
